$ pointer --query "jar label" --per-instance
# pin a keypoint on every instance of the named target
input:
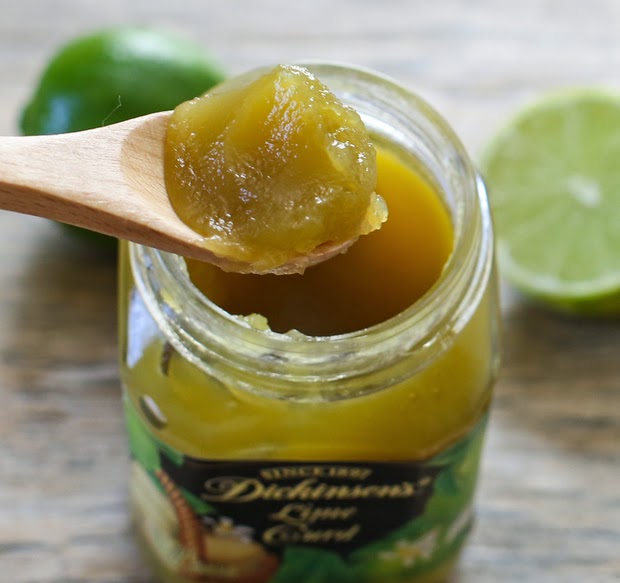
(288, 521)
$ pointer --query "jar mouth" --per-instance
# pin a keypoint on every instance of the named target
(203, 331)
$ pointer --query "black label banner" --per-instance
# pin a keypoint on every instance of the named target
(337, 506)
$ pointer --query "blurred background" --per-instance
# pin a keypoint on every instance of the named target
(475, 61)
(549, 508)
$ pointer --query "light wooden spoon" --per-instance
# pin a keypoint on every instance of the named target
(111, 180)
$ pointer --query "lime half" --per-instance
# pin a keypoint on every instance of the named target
(553, 175)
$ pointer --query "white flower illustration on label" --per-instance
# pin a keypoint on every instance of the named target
(409, 552)
(461, 523)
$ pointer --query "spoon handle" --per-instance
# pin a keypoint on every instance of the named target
(74, 178)
(109, 179)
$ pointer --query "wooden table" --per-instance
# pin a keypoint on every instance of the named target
(549, 502)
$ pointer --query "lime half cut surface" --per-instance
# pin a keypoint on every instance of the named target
(553, 175)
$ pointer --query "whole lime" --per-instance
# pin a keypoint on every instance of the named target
(113, 75)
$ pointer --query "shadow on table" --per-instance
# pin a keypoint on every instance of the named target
(560, 376)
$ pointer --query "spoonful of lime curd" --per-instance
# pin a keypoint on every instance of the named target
(266, 173)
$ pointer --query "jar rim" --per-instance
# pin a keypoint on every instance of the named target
(204, 332)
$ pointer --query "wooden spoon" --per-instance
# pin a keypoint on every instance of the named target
(111, 180)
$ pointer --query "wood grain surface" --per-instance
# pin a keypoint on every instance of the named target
(549, 501)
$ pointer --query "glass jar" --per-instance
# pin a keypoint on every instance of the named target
(259, 456)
